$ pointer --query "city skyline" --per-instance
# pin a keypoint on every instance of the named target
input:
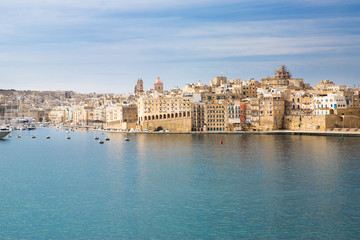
(105, 47)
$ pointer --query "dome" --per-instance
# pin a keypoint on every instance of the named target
(158, 81)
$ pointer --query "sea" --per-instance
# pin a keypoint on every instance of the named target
(178, 186)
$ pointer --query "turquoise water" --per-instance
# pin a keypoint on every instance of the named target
(179, 187)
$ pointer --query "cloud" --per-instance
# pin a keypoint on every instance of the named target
(109, 42)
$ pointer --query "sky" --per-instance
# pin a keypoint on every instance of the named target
(104, 46)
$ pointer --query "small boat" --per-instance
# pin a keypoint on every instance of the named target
(19, 136)
(127, 139)
(96, 138)
(47, 137)
(68, 137)
(101, 142)
(107, 139)
(33, 136)
(9, 136)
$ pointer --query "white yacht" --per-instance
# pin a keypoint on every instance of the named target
(4, 132)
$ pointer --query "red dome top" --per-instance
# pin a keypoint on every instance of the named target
(158, 80)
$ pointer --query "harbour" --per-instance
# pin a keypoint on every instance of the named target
(178, 186)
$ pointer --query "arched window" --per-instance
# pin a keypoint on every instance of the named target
(176, 115)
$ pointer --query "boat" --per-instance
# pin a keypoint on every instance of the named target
(127, 139)
(68, 137)
(107, 139)
(4, 132)
(33, 136)
(96, 138)
(101, 142)
(47, 137)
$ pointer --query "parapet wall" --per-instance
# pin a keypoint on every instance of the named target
(321, 122)
(305, 123)
(173, 124)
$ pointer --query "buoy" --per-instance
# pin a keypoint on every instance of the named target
(342, 136)
(221, 141)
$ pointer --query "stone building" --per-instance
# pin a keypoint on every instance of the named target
(158, 86)
(198, 116)
(139, 88)
(165, 112)
(215, 116)
(282, 78)
(122, 116)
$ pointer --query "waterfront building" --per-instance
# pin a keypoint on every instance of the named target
(328, 103)
(122, 116)
(215, 116)
(198, 116)
(272, 111)
(165, 112)
(253, 111)
(57, 115)
(236, 115)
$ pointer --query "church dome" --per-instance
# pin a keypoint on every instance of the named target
(158, 81)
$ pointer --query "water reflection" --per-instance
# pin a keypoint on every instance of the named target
(181, 186)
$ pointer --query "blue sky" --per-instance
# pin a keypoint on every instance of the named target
(105, 46)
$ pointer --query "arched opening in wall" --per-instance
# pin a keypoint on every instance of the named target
(188, 114)
(153, 117)
(184, 114)
(145, 118)
(168, 115)
(157, 117)
(164, 116)
(172, 115)
(179, 114)
(331, 111)
(160, 116)
(159, 128)
(176, 115)
(40, 119)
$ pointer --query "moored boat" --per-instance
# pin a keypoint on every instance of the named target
(4, 132)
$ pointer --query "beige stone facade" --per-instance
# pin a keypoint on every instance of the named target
(165, 112)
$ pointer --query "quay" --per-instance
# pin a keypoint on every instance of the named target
(330, 133)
